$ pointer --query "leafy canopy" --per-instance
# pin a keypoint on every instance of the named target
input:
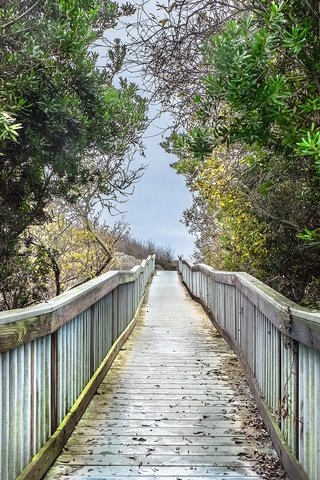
(260, 104)
(57, 108)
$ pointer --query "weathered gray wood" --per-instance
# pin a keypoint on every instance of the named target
(278, 344)
(301, 324)
(26, 324)
(139, 412)
(288, 459)
(135, 459)
(153, 477)
(47, 454)
(172, 472)
(140, 449)
(169, 407)
(156, 440)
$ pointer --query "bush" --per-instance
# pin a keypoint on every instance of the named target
(142, 248)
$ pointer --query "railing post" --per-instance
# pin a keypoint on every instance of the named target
(92, 341)
(54, 382)
(114, 314)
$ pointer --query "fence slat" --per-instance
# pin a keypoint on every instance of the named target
(278, 343)
(49, 352)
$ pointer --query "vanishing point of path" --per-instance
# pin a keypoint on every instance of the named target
(174, 404)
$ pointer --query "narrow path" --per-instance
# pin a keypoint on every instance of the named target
(174, 404)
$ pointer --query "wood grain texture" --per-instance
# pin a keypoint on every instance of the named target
(26, 324)
(288, 459)
(48, 453)
(173, 405)
(299, 323)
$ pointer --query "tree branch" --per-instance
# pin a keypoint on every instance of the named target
(20, 17)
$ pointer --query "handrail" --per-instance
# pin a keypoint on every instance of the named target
(278, 344)
(52, 357)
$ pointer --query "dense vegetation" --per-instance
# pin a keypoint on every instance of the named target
(242, 82)
(66, 135)
(249, 142)
(141, 249)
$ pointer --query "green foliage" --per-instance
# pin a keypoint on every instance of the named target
(312, 237)
(310, 146)
(265, 69)
(8, 127)
(57, 109)
(261, 105)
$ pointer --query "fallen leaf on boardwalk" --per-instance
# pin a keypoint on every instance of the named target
(187, 441)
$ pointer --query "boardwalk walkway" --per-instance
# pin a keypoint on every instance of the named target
(174, 404)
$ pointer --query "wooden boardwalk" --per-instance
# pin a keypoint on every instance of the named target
(174, 404)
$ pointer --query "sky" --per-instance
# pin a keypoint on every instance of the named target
(155, 209)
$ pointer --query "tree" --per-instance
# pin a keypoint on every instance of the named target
(57, 108)
(264, 87)
(166, 45)
(57, 256)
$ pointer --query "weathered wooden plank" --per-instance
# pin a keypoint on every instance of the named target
(142, 412)
(203, 373)
(168, 407)
(304, 326)
(300, 324)
(153, 402)
(171, 472)
(154, 477)
(135, 441)
(210, 424)
(140, 400)
(156, 460)
(169, 431)
(26, 324)
(143, 449)
(170, 388)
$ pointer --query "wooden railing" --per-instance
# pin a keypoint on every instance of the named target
(278, 344)
(53, 357)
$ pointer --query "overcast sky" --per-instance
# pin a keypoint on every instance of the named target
(155, 209)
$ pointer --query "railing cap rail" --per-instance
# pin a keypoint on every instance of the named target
(26, 324)
(299, 323)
